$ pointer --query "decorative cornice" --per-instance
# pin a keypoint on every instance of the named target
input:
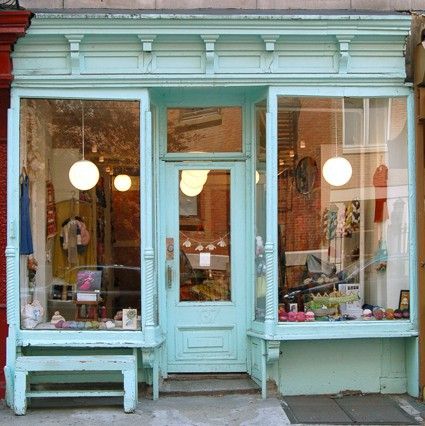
(234, 24)
(13, 25)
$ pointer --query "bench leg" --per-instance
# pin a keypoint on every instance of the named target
(20, 399)
(130, 390)
(155, 380)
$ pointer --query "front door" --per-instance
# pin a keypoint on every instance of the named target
(205, 272)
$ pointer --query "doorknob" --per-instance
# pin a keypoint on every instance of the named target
(169, 276)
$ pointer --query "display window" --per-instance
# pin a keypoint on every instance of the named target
(342, 210)
(80, 214)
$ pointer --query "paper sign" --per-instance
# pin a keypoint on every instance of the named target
(204, 259)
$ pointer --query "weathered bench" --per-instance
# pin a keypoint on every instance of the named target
(127, 364)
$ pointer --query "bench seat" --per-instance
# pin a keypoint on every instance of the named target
(127, 364)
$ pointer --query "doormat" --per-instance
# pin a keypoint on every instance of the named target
(352, 409)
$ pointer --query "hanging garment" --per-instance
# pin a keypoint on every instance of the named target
(380, 182)
(352, 218)
(25, 246)
(340, 227)
(329, 222)
(51, 227)
(60, 263)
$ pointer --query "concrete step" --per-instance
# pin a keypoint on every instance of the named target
(208, 384)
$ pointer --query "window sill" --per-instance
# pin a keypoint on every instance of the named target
(340, 330)
(85, 338)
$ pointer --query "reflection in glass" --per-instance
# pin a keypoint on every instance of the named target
(260, 212)
(343, 251)
(204, 225)
(84, 269)
(198, 130)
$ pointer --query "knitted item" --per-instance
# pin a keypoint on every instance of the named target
(352, 218)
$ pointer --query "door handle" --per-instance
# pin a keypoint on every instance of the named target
(169, 276)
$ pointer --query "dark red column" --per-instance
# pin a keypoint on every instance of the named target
(13, 24)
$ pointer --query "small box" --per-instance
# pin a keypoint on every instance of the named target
(129, 319)
(354, 308)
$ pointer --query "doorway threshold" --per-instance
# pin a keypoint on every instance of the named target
(208, 384)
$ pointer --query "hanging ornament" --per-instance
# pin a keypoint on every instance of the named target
(222, 243)
(187, 243)
(199, 247)
(210, 247)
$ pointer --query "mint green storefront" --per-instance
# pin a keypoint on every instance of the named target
(223, 124)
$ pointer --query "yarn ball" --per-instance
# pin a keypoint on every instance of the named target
(283, 316)
(292, 316)
(59, 324)
(309, 316)
(389, 314)
(300, 316)
(405, 313)
(398, 314)
(378, 313)
(367, 314)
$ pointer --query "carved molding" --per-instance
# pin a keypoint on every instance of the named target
(209, 41)
(11, 281)
(344, 55)
(272, 351)
(74, 49)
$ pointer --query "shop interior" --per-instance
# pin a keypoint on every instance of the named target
(342, 209)
(80, 232)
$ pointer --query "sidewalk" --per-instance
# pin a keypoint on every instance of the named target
(244, 410)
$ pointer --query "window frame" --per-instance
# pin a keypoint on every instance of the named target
(76, 338)
(340, 330)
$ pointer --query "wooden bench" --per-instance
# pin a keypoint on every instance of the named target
(127, 364)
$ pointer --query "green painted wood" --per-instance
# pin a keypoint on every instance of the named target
(76, 363)
(206, 336)
(77, 394)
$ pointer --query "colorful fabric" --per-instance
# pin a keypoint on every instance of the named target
(51, 227)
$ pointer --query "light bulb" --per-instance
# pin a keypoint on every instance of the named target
(83, 175)
(337, 171)
(190, 192)
(194, 180)
(122, 183)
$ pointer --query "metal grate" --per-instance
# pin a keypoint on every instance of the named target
(9, 4)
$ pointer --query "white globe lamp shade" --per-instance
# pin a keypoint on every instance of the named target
(122, 183)
(190, 192)
(257, 177)
(83, 175)
(194, 180)
(337, 171)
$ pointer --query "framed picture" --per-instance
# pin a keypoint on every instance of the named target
(404, 302)
(89, 281)
(129, 319)
(293, 307)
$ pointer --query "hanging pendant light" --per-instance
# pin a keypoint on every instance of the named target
(83, 174)
(337, 171)
(122, 183)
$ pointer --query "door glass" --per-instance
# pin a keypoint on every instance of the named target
(199, 130)
(204, 226)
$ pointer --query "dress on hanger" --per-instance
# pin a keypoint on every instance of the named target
(380, 182)
(26, 246)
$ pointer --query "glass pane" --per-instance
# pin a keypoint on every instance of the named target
(204, 225)
(260, 212)
(199, 130)
(80, 241)
(343, 245)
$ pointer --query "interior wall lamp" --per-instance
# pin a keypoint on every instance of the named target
(83, 174)
(122, 182)
(337, 170)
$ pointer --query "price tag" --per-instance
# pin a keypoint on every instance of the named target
(205, 259)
